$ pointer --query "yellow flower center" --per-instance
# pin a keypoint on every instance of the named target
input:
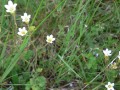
(26, 20)
(49, 40)
(109, 86)
(23, 32)
(11, 9)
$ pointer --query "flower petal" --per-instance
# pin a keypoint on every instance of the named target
(51, 36)
(15, 5)
(106, 86)
(10, 3)
(53, 39)
(24, 28)
(25, 14)
(6, 6)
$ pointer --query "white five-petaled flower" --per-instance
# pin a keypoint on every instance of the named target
(107, 52)
(26, 18)
(50, 39)
(110, 86)
(22, 31)
(119, 55)
(11, 8)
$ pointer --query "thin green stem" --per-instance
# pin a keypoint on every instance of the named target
(15, 29)
(14, 17)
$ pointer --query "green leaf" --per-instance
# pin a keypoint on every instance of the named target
(28, 54)
(39, 70)
(34, 87)
(28, 87)
(37, 83)
(92, 63)
(32, 28)
(41, 80)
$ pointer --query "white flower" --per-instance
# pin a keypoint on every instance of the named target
(22, 31)
(110, 86)
(11, 8)
(86, 26)
(50, 39)
(107, 52)
(119, 55)
(26, 18)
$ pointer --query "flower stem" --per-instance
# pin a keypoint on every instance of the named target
(14, 17)
(106, 59)
(15, 29)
